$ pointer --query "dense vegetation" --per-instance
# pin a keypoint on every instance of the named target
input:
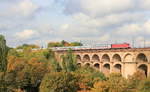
(39, 71)
(63, 43)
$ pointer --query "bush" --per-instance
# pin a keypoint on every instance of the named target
(59, 82)
(144, 86)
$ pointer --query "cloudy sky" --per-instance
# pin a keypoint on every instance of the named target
(88, 21)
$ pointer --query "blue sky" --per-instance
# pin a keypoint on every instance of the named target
(88, 21)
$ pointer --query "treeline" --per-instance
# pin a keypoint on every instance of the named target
(62, 43)
(30, 71)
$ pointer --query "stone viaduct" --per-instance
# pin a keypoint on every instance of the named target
(124, 61)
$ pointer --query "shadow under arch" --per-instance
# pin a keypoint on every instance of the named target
(78, 58)
(117, 68)
(128, 58)
(97, 65)
(141, 57)
(116, 58)
(106, 69)
(86, 58)
(105, 58)
(87, 64)
(95, 58)
(79, 64)
(143, 68)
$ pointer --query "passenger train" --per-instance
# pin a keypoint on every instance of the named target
(102, 46)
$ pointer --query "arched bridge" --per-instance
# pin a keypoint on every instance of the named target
(124, 61)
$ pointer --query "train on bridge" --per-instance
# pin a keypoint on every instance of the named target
(100, 46)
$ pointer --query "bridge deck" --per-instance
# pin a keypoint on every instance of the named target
(108, 50)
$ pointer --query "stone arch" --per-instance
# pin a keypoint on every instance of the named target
(95, 58)
(105, 58)
(79, 64)
(106, 69)
(116, 58)
(128, 58)
(143, 68)
(87, 64)
(86, 58)
(78, 58)
(117, 68)
(141, 57)
(97, 65)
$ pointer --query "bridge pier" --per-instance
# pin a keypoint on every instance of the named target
(129, 69)
(149, 70)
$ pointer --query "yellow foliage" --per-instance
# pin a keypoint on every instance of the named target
(15, 62)
(100, 86)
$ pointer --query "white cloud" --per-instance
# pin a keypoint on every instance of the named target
(146, 27)
(19, 8)
(99, 7)
(25, 7)
(131, 29)
(105, 6)
(26, 34)
(65, 26)
(105, 37)
(85, 20)
(144, 4)
(108, 20)
(134, 29)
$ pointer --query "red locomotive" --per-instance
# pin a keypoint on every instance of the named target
(124, 45)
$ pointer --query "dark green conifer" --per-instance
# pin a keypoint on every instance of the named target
(3, 54)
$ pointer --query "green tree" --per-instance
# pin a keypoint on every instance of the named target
(116, 83)
(134, 81)
(69, 62)
(14, 52)
(144, 86)
(3, 54)
(54, 65)
(59, 82)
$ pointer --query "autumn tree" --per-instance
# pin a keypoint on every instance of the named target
(88, 76)
(100, 86)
